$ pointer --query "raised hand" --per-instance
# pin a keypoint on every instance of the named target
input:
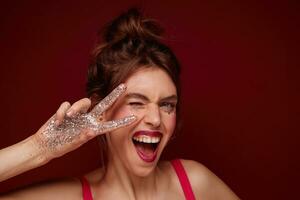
(64, 133)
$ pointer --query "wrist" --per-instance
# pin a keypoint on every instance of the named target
(38, 154)
(21, 157)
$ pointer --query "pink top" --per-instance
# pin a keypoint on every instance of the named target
(184, 179)
(179, 169)
(86, 189)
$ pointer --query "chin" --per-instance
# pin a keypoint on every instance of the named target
(143, 151)
(143, 167)
(147, 147)
(143, 170)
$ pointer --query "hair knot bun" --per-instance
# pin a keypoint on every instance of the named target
(132, 25)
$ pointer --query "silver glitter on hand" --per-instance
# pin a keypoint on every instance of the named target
(108, 101)
(72, 127)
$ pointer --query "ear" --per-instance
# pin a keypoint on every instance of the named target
(106, 116)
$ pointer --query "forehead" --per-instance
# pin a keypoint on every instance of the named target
(151, 81)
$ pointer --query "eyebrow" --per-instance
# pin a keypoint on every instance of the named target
(145, 98)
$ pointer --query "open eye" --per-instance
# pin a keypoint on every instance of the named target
(168, 107)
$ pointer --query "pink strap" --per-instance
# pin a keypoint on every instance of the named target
(183, 179)
(86, 189)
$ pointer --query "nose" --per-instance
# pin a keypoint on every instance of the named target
(152, 116)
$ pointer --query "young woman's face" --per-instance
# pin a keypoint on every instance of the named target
(151, 96)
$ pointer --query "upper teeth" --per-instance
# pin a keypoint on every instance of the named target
(146, 139)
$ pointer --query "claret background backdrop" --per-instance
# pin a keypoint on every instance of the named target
(234, 56)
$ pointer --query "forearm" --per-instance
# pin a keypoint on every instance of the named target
(20, 158)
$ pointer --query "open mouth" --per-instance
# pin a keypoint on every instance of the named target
(146, 144)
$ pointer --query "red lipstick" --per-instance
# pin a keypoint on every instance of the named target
(146, 151)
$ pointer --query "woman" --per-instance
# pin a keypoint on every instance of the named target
(134, 124)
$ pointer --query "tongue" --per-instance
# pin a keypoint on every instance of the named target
(145, 148)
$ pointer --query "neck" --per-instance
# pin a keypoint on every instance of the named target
(135, 187)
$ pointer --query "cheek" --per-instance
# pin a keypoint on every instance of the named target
(170, 123)
(118, 136)
(125, 110)
(118, 112)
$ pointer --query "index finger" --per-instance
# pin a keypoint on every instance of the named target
(108, 101)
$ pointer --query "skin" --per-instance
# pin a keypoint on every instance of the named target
(60, 135)
(127, 176)
(146, 99)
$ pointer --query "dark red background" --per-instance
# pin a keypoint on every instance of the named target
(234, 56)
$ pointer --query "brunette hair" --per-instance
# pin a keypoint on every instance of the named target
(129, 42)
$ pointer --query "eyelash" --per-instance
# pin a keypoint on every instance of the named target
(136, 103)
(169, 106)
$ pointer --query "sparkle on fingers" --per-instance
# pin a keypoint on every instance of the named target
(71, 127)
(110, 125)
(108, 101)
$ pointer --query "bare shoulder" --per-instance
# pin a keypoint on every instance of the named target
(205, 184)
(67, 188)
